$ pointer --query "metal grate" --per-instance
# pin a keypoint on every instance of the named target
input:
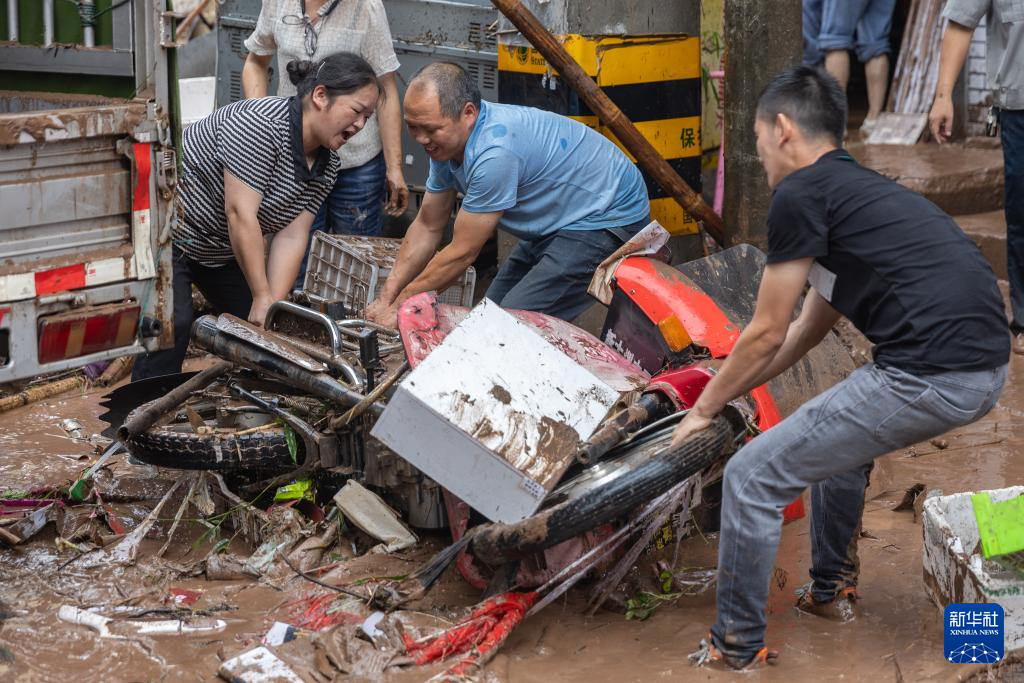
(235, 88)
(485, 74)
(352, 269)
(237, 38)
(481, 37)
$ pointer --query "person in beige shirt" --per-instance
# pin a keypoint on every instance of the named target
(371, 163)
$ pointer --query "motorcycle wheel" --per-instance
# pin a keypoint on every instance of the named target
(630, 476)
(178, 446)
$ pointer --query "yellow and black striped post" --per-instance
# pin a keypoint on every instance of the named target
(654, 80)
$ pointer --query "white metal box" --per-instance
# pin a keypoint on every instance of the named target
(495, 414)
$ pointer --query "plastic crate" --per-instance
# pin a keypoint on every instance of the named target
(351, 269)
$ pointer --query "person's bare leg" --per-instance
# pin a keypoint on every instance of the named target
(837, 63)
(876, 72)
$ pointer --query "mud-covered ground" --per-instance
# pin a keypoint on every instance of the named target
(897, 636)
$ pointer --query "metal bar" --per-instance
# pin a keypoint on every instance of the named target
(206, 335)
(68, 60)
(445, 51)
(334, 336)
(47, 23)
(148, 416)
(88, 31)
(121, 23)
(12, 21)
(669, 502)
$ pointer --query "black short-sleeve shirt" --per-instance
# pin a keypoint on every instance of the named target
(259, 141)
(893, 263)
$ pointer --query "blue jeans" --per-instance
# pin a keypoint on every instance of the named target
(828, 444)
(551, 275)
(1011, 123)
(861, 25)
(355, 206)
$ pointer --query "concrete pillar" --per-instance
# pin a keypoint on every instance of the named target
(761, 38)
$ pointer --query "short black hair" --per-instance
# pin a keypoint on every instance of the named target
(811, 98)
(454, 86)
(342, 73)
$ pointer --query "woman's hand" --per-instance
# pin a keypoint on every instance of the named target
(260, 306)
(398, 192)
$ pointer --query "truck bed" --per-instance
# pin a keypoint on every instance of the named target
(65, 186)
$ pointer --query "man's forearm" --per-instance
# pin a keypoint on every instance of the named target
(446, 266)
(751, 359)
(799, 340)
(956, 41)
(418, 247)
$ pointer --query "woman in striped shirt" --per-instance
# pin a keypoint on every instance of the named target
(255, 168)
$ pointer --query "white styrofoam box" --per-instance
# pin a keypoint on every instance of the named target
(954, 569)
(197, 98)
(495, 414)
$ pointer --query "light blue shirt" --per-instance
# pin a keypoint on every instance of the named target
(545, 171)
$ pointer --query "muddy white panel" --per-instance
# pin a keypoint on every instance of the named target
(955, 571)
(494, 414)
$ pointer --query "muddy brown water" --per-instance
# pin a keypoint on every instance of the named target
(898, 635)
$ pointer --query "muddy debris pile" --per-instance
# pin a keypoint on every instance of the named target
(149, 557)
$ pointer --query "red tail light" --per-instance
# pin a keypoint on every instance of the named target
(85, 331)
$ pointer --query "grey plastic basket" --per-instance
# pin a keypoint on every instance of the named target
(351, 269)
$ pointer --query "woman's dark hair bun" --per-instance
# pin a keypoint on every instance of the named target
(341, 73)
(299, 70)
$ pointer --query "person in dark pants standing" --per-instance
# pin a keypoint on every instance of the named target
(1004, 37)
(254, 168)
(913, 283)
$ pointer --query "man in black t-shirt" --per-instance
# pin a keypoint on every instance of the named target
(908, 278)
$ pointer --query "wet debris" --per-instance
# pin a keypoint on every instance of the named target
(108, 627)
(913, 499)
(72, 428)
(279, 634)
(370, 513)
(257, 666)
(35, 516)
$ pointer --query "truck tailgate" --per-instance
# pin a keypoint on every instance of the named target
(66, 189)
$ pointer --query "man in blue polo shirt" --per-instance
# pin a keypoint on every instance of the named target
(568, 193)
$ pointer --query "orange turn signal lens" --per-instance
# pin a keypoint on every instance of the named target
(674, 333)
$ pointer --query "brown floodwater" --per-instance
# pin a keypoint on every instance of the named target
(897, 636)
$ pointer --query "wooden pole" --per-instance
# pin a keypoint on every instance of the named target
(185, 27)
(646, 156)
(41, 391)
(116, 371)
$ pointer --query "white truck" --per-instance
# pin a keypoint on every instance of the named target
(86, 186)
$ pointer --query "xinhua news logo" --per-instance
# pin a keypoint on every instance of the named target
(974, 633)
